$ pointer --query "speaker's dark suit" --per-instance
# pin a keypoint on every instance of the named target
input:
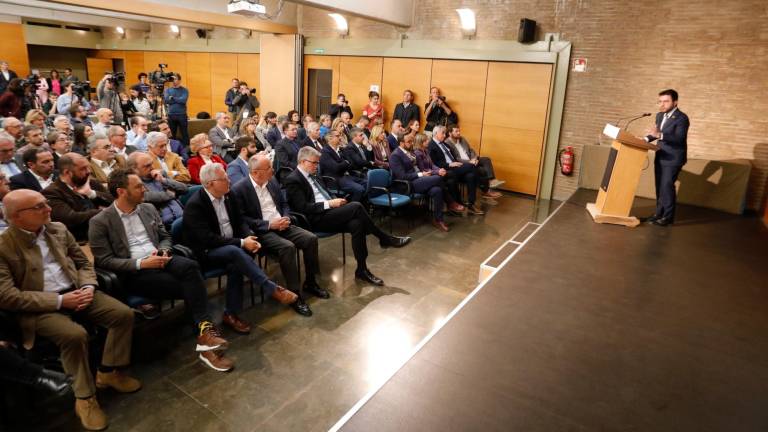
(282, 244)
(351, 217)
(25, 180)
(465, 173)
(333, 165)
(669, 160)
(359, 161)
(287, 152)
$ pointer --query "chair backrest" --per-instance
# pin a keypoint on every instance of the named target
(378, 178)
(176, 230)
(192, 189)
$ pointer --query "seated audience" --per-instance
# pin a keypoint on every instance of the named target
(14, 368)
(47, 280)
(78, 114)
(332, 164)
(33, 138)
(341, 105)
(250, 127)
(346, 118)
(117, 137)
(174, 145)
(222, 136)
(202, 148)
(13, 127)
(413, 128)
(103, 158)
(424, 162)
(60, 144)
(74, 197)
(129, 239)
(36, 117)
(339, 126)
(441, 155)
(312, 138)
(128, 108)
(462, 151)
(39, 173)
(273, 133)
(104, 117)
(395, 130)
(374, 110)
(137, 136)
(166, 161)
(62, 124)
(214, 228)
(238, 168)
(358, 156)
(4, 189)
(308, 195)
(7, 149)
(364, 123)
(404, 167)
(325, 124)
(380, 147)
(265, 211)
(159, 191)
(305, 121)
(287, 148)
(406, 111)
(80, 138)
(140, 101)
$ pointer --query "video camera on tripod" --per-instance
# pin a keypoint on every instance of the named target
(117, 78)
(159, 77)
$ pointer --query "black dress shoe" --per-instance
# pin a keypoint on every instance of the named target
(367, 276)
(394, 241)
(53, 382)
(649, 219)
(317, 290)
(301, 307)
(662, 221)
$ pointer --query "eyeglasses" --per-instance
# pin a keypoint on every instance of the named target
(39, 207)
(226, 179)
(149, 165)
(312, 162)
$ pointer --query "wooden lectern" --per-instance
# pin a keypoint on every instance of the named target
(622, 173)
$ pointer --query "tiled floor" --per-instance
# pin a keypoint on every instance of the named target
(302, 374)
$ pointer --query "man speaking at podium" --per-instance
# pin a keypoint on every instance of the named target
(671, 129)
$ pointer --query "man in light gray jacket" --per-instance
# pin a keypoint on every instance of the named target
(109, 97)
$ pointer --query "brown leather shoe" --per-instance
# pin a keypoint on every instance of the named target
(456, 207)
(284, 296)
(440, 225)
(474, 210)
(210, 338)
(91, 415)
(216, 361)
(235, 323)
(118, 380)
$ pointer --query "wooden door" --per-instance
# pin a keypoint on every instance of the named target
(321, 62)
(514, 122)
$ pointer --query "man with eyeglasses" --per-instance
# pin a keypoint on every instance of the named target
(137, 136)
(117, 138)
(103, 158)
(46, 279)
(74, 197)
(266, 213)
(7, 149)
(161, 191)
(222, 136)
(307, 194)
(60, 145)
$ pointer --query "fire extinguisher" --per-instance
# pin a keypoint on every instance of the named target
(566, 160)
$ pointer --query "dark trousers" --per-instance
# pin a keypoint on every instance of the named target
(180, 279)
(351, 218)
(484, 173)
(15, 368)
(666, 195)
(466, 174)
(432, 186)
(354, 186)
(239, 263)
(283, 245)
(178, 122)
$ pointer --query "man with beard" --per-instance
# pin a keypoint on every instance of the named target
(237, 170)
(74, 199)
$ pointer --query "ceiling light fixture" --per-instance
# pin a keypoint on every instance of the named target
(341, 24)
(468, 24)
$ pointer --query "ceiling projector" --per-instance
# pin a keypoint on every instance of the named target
(246, 8)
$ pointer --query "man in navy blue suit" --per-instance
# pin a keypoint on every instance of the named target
(671, 131)
(395, 129)
(287, 148)
(332, 164)
(441, 156)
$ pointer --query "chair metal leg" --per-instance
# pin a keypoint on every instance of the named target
(253, 299)
(218, 280)
(343, 248)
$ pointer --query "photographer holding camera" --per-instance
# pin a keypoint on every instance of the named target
(175, 98)
(341, 105)
(109, 97)
(437, 111)
(70, 96)
(245, 103)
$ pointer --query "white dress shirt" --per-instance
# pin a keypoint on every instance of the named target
(55, 279)
(446, 151)
(462, 154)
(138, 239)
(319, 197)
(268, 208)
(44, 183)
(106, 167)
(225, 226)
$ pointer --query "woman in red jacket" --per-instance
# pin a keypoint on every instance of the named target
(202, 149)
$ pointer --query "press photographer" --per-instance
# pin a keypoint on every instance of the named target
(437, 111)
(107, 90)
(74, 92)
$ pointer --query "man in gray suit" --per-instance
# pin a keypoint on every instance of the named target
(222, 136)
(129, 239)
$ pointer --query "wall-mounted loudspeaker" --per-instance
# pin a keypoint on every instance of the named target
(527, 31)
(201, 33)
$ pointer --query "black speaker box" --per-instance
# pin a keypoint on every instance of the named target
(527, 31)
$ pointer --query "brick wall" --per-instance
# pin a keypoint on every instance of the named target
(714, 53)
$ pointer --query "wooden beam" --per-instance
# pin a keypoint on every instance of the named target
(159, 10)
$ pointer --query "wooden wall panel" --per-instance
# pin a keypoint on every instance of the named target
(278, 72)
(356, 75)
(198, 81)
(248, 70)
(223, 69)
(321, 62)
(463, 84)
(134, 64)
(13, 48)
(96, 68)
(514, 122)
(107, 54)
(401, 74)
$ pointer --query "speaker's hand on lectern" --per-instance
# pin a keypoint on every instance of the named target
(654, 132)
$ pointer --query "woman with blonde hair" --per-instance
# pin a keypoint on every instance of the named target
(202, 148)
(36, 117)
(341, 127)
(380, 147)
(325, 124)
(250, 127)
